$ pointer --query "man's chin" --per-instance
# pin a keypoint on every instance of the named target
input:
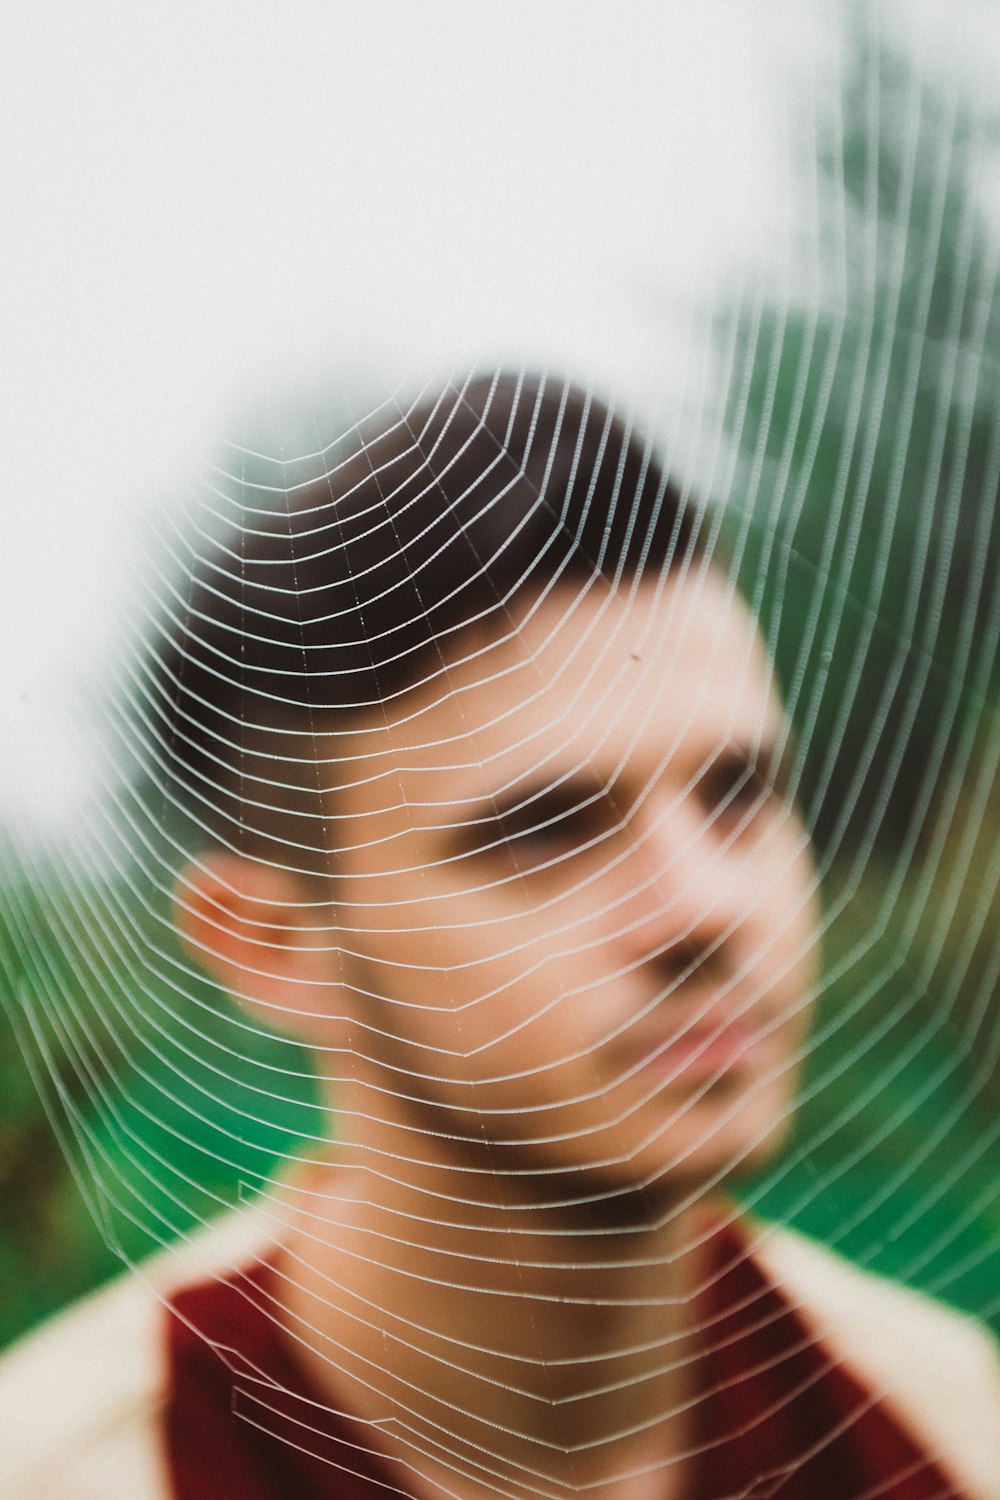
(632, 1173)
(713, 1146)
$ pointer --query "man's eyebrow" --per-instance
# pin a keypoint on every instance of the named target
(532, 804)
(771, 758)
(773, 752)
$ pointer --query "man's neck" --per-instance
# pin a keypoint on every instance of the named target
(502, 1346)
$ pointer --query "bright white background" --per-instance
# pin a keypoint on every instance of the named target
(204, 202)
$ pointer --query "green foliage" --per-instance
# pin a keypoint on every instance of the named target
(868, 423)
(865, 522)
(894, 1148)
(128, 1069)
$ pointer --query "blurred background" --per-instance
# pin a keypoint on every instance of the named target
(770, 230)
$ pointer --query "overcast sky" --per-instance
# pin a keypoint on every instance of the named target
(206, 203)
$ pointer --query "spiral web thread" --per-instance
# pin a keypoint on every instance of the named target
(846, 485)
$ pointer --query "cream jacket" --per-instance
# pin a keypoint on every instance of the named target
(81, 1399)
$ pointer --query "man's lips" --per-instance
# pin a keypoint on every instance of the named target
(701, 1051)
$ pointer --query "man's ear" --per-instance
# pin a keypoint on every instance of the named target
(265, 936)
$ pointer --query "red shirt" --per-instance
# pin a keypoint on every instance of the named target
(780, 1418)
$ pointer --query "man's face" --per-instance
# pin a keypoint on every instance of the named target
(578, 908)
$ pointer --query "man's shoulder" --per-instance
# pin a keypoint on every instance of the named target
(937, 1369)
(81, 1398)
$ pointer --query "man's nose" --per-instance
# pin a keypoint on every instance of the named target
(682, 892)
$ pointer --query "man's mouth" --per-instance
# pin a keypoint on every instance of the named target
(705, 1051)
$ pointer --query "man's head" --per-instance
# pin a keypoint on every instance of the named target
(535, 755)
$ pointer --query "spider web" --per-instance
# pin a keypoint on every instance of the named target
(838, 470)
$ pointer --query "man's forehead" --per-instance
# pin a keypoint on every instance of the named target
(578, 679)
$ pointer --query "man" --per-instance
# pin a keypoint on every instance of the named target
(496, 781)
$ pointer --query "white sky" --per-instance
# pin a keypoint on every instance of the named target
(206, 201)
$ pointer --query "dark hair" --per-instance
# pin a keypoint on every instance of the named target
(342, 599)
